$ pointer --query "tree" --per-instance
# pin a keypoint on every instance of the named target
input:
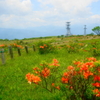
(96, 30)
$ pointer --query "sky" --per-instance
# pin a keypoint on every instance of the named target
(38, 18)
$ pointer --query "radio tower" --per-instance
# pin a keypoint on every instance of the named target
(85, 30)
(68, 29)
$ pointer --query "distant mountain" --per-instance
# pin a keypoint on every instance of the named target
(42, 31)
(8, 33)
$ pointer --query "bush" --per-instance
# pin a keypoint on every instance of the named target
(45, 47)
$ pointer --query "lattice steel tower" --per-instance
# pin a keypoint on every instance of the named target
(68, 29)
(85, 30)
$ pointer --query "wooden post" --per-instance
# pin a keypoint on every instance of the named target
(34, 48)
(26, 48)
(10, 52)
(2, 56)
(19, 53)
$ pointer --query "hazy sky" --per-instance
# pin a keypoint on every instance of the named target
(26, 14)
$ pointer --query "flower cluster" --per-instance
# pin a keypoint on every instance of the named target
(2, 46)
(32, 78)
(16, 46)
(78, 78)
(96, 84)
(43, 74)
(44, 46)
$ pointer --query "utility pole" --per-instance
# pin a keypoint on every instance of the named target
(85, 30)
(68, 29)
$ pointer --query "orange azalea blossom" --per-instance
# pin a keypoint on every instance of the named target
(41, 46)
(3, 45)
(84, 67)
(58, 87)
(19, 46)
(98, 94)
(36, 68)
(15, 45)
(96, 84)
(55, 63)
(53, 84)
(45, 45)
(35, 79)
(77, 62)
(64, 80)
(96, 78)
(45, 72)
(95, 90)
(70, 68)
(28, 77)
(87, 74)
(90, 64)
(91, 59)
(66, 74)
(32, 78)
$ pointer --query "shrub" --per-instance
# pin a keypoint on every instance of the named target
(45, 47)
(81, 81)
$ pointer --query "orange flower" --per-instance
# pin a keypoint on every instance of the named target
(87, 74)
(96, 78)
(3, 45)
(45, 45)
(58, 87)
(84, 67)
(36, 68)
(64, 80)
(95, 90)
(89, 63)
(32, 78)
(35, 79)
(98, 94)
(55, 63)
(91, 59)
(70, 68)
(66, 74)
(77, 62)
(28, 77)
(45, 72)
(41, 46)
(19, 46)
(53, 84)
(96, 84)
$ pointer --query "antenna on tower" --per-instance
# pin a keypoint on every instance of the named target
(85, 30)
(68, 29)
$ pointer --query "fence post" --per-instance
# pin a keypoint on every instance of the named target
(10, 52)
(19, 53)
(34, 48)
(2, 56)
(26, 48)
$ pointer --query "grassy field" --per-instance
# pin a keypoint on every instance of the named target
(14, 86)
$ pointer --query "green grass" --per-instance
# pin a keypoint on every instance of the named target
(14, 86)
